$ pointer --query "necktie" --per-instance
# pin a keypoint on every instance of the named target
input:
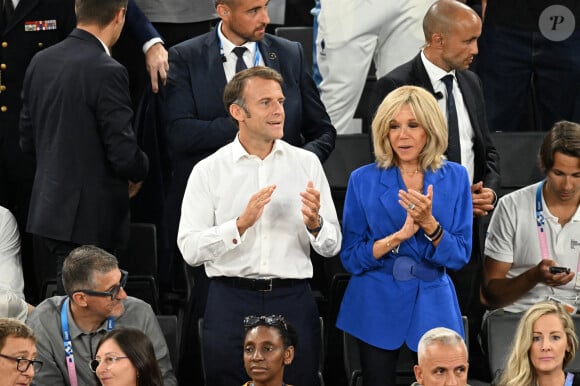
(240, 64)
(453, 147)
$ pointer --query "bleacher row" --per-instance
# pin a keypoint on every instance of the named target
(517, 161)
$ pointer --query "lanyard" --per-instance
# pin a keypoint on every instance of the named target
(569, 379)
(257, 55)
(68, 349)
(540, 222)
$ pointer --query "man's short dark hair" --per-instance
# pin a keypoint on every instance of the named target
(234, 91)
(82, 263)
(564, 137)
(99, 12)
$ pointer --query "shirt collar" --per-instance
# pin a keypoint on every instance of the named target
(75, 330)
(435, 73)
(239, 153)
(228, 46)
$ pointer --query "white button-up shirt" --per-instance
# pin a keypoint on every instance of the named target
(278, 244)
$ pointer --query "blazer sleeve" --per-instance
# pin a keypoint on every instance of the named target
(456, 219)
(357, 242)
(114, 116)
(138, 24)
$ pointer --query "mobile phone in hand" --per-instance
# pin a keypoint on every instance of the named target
(555, 270)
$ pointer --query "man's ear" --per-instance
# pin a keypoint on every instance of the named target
(418, 374)
(237, 112)
(289, 355)
(79, 299)
(222, 10)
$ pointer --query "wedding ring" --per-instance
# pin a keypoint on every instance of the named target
(411, 206)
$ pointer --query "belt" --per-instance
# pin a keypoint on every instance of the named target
(258, 284)
(405, 268)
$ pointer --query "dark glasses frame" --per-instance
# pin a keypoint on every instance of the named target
(23, 364)
(113, 292)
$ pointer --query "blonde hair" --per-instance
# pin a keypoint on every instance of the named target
(519, 370)
(427, 113)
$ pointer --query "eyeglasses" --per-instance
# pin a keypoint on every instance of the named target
(113, 292)
(109, 361)
(272, 320)
(23, 364)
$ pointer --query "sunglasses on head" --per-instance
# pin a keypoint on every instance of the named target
(113, 292)
(272, 320)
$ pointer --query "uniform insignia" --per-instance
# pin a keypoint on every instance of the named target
(39, 25)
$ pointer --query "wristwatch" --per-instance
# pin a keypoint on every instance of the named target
(318, 228)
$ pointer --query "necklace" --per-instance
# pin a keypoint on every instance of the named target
(411, 172)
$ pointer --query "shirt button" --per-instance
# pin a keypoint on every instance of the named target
(4, 44)
(40, 44)
(3, 109)
(2, 88)
(2, 66)
(235, 241)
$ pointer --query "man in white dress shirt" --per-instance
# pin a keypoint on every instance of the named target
(250, 214)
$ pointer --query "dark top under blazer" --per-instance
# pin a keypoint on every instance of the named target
(197, 122)
(76, 119)
(486, 158)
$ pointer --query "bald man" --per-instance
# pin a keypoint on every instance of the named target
(442, 359)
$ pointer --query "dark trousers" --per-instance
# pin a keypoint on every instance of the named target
(379, 366)
(223, 331)
(510, 58)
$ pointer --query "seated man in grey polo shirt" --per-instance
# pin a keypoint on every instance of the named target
(69, 328)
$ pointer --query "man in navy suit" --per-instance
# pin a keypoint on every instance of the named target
(451, 31)
(197, 122)
(76, 120)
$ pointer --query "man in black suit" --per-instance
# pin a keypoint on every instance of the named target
(76, 120)
(451, 31)
(33, 26)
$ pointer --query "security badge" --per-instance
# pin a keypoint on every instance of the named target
(39, 25)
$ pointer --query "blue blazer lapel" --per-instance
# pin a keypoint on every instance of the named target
(393, 214)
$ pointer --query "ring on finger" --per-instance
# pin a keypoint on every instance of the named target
(411, 206)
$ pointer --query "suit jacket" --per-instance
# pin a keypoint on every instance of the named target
(197, 122)
(376, 308)
(486, 158)
(76, 118)
(35, 26)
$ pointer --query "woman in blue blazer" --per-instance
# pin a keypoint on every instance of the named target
(407, 219)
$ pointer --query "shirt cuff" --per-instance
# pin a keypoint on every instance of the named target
(150, 43)
(230, 234)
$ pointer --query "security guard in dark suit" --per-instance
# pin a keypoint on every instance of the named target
(31, 26)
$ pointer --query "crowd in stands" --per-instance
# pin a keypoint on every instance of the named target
(194, 117)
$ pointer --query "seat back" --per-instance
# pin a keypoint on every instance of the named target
(143, 287)
(518, 153)
(350, 152)
(169, 327)
(301, 34)
(140, 256)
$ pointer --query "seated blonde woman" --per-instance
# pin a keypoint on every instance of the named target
(544, 344)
